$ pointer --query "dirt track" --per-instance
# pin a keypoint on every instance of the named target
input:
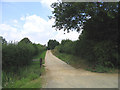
(61, 75)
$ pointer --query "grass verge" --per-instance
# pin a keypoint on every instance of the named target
(72, 60)
(40, 55)
(28, 77)
(78, 62)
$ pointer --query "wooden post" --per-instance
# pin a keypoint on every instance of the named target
(40, 62)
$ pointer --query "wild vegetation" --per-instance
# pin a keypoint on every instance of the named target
(17, 62)
(96, 47)
(98, 43)
(52, 44)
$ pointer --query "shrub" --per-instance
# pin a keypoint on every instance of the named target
(15, 56)
(18, 55)
(52, 44)
(67, 46)
(105, 53)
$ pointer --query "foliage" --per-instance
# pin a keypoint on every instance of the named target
(17, 63)
(25, 40)
(3, 40)
(52, 44)
(67, 46)
(40, 55)
(38, 49)
(15, 56)
(73, 15)
(98, 43)
(22, 79)
(70, 59)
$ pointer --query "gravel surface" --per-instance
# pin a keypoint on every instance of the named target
(61, 75)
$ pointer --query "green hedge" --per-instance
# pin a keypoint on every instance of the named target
(100, 54)
(18, 55)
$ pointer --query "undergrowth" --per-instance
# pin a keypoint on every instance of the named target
(78, 62)
(26, 77)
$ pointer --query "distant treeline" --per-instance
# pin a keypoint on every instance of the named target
(52, 44)
(17, 55)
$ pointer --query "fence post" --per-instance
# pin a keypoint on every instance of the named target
(40, 62)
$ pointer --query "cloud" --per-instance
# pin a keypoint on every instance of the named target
(9, 33)
(15, 21)
(73, 35)
(22, 18)
(48, 3)
(37, 29)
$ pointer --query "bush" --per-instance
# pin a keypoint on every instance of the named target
(52, 44)
(106, 54)
(101, 55)
(102, 69)
(18, 55)
(15, 56)
(67, 46)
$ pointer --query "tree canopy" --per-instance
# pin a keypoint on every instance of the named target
(52, 44)
(3, 40)
(98, 21)
(25, 40)
(73, 15)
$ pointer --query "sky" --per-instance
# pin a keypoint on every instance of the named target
(30, 19)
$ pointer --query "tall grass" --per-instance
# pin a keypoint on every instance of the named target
(79, 62)
(72, 60)
(25, 76)
(40, 55)
(17, 64)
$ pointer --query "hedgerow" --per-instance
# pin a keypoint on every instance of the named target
(15, 56)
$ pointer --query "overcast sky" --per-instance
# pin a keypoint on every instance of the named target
(30, 19)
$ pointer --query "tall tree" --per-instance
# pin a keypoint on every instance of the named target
(25, 40)
(3, 40)
(72, 16)
(99, 21)
(52, 44)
